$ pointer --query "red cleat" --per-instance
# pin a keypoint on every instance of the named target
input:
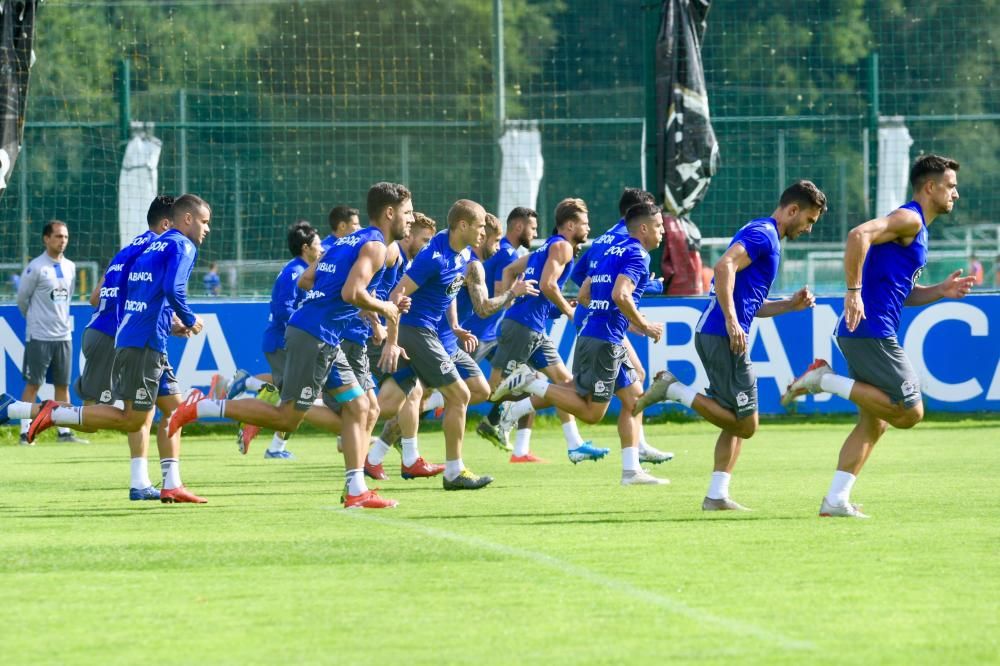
(420, 469)
(42, 421)
(368, 500)
(376, 472)
(180, 495)
(527, 458)
(246, 435)
(186, 413)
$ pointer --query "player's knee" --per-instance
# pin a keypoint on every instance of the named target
(358, 407)
(910, 417)
(456, 394)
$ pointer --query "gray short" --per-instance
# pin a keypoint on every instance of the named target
(308, 363)
(519, 344)
(141, 375)
(732, 381)
(374, 352)
(428, 361)
(485, 350)
(94, 383)
(466, 366)
(601, 368)
(357, 358)
(47, 357)
(882, 363)
(276, 360)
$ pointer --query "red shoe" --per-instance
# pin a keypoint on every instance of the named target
(218, 388)
(376, 472)
(180, 495)
(439, 413)
(42, 421)
(246, 435)
(527, 458)
(420, 469)
(186, 413)
(368, 500)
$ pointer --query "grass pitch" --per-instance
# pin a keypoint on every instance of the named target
(552, 563)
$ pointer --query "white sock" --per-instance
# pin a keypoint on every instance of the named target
(840, 488)
(642, 439)
(452, 468)
(171, 469)
(66, 415)
(410, 450)
(838, 385)
(434, 401)
(211, 408)
(254, 384)
(522, 442)
(572, 435)
(25, 424)
(719, 486)
(680, 393)
(277, 444)
(139, 472)
(377, 451)
(521, 408)
(20, 410)
(64, 431)
(630, 459)
(356, 482)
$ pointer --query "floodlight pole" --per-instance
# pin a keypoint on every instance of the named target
(125, 100)
(652, 16)
(873, 120)
(499, 97)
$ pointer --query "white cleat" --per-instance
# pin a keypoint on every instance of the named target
(827, 510)
(657, 391)
(724, 504)
(648, 454)
(807, 382)
(642, 478)
(515, 384)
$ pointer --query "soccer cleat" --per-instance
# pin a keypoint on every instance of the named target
(218, 389)
(147, 493)
(186, 413)
(6, 400)
(367, 500)
(42, 421)
(376, 472)
(269, 394)
(245, 435)
(493, 434)
(466, 481)
(586, 451)
(724, 504)
(528, 457)
(420, 469)
(238, 384)
(657, 391)
(71, 438)
(807, 382)
(515, 384)
(648, 454)
(641, 478)
(279, 455)
(23, 440)
(180, 495)
(827, 510)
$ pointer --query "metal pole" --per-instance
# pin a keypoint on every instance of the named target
(22, 194)
(182, 139)
(652, 16)
(866, 166)
(842, 198)
(238, 214)
(404, 154)
(782, 179)
(125, 100)
(873, 116)
(499, 97)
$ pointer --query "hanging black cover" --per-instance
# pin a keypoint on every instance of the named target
(17, 32)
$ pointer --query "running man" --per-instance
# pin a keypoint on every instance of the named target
(882, 263)
(743, 278)
(343, 220)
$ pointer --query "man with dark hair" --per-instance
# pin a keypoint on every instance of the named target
(743, 278)
(43, 296)
(343, 220)
(882, 263)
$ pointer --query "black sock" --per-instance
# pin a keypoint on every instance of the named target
(494, 416)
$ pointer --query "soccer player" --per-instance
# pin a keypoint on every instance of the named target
(882, 263)
(94, 382)
(43, 296)
(601, 366)
(743, 278)
(141, 374)
(432, 282)
(343, 220)
(523, 337)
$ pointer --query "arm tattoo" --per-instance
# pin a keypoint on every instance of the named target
(482, 305)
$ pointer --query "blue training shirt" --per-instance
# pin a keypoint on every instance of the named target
(889, 274)
(464, 309)
(605, 320)
(488, 328)
(439, 272)
(324, 314)
(108, 313)
(763, 245)
(535, 311)
(285, 299)
(157, 287)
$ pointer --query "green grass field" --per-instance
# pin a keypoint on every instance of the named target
(551, 564)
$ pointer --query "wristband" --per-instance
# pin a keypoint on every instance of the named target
(854, 289)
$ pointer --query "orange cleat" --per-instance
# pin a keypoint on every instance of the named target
(180, 495)
(376, 472)
(246, 435)
(42, 421)
(186, 413)
(368, 500)
(528, 457)
(420, 469)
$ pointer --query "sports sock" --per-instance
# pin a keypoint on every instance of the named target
(410, 450)
(254, 384)
(840, 488)
(434, 401)
(20, 410)
(493, 417)
(643, 444)
(537, 387)
(356, 482)
(680, 393)
(521, 408)
(452, 468)
(66, 415)
(139, 473)
(572, 435)
(838, 385)
(377, 451)
(25, 424)
(171, 469)
(522, 442)
(630, 459)
(210, 408)
(718, 488)
(277, 444)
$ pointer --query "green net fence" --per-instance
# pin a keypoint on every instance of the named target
(277, 110)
